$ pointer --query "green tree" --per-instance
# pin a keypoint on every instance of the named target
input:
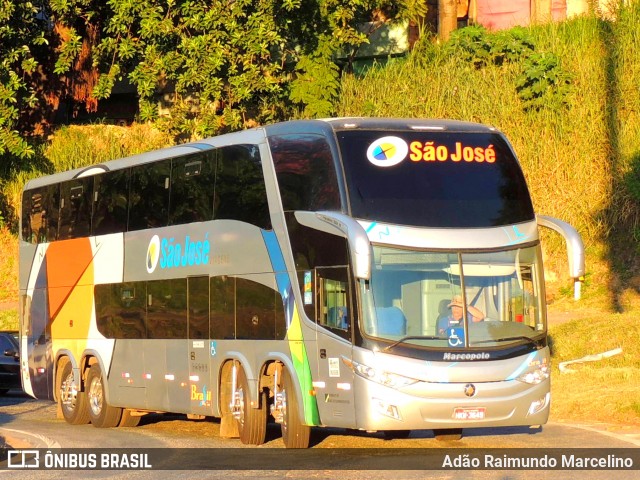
(22, 34)
(223, 64)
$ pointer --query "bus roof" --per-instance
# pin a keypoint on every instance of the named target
(258, 134)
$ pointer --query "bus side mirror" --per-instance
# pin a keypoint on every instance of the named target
(575, 249)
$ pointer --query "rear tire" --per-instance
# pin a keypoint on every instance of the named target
(73, 402)
(252, 424)
(101, 413)
(294, 433)
(447, 434)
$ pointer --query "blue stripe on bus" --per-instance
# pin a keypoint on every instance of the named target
(277, 261)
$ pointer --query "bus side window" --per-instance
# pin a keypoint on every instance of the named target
(255, 309)
(75, 208)
(40, 212)
(149, 195)
(222, 299)
(240, 192)
(306, 172)
(198, 307)
(167, 308)
(192, 180)
(333, 298)
(111, 192)
(32, 216)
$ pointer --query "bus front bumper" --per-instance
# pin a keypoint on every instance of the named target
(451, 405)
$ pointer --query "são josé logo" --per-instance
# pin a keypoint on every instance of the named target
(153, 253)
(387, 151)
(170, 253)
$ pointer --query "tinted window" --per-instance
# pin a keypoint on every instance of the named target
(40, 210)
(240, 192)
(149, 195)
(446, 179)
(255, 310)
(222, 307)
(198, 307)
(167, 308)
(121, 310)
(306, 172)
(75, 208)
(317, 254)
(111, 202)
(192, 182)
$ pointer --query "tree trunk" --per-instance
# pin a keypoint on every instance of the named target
(447, 18)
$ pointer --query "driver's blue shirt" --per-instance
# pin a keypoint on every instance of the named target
(449, 321)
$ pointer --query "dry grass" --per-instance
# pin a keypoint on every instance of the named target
(607, 390)
(8, 266)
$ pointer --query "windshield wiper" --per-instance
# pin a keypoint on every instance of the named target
(412, 337)
(504, 339)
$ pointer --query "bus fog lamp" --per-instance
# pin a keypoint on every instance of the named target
(539, 404)
(386, 409)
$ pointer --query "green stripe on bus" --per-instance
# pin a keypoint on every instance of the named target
(303, 370)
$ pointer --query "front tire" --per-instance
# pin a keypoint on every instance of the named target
(101, 413)
(447, 434)
(73, 402)
(252, 424)
(396, 434)
(294, 433)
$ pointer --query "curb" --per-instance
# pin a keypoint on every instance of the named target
(18, 439)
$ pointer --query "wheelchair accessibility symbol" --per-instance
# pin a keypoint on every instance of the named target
(455, 336)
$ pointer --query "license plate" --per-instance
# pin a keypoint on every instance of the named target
(469, 413)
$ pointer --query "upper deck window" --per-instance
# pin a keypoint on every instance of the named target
(306, 172)
(434, 179)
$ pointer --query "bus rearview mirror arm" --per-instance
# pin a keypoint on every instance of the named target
(575, 249)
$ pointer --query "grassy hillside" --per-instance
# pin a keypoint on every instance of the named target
(579, 145)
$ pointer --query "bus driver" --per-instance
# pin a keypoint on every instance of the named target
(454, 318)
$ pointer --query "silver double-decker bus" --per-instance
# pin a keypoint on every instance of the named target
(374, 274)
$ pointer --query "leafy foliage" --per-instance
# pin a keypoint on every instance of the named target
(477, 46)
(221, 65)
(21, 32)
(543, 83)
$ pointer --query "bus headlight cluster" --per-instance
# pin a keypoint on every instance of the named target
(388, 379)
(534, 377)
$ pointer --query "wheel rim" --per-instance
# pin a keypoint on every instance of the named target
(284, 425)
(68, 393)
(240, 407)
(95, 396)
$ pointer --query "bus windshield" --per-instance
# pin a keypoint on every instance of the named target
(422, 297)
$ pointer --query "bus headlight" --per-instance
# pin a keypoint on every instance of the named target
(388, 379)
(535, 376)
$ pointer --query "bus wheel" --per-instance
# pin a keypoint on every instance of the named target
(448, 434)
(73, 402)
(101, 413)
(294, 433)
(129, 420)
(252, 422)
(396, 434)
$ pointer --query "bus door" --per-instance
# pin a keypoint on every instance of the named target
(200, 349)
(334, 318)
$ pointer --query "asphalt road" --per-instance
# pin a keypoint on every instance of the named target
(335, 453)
